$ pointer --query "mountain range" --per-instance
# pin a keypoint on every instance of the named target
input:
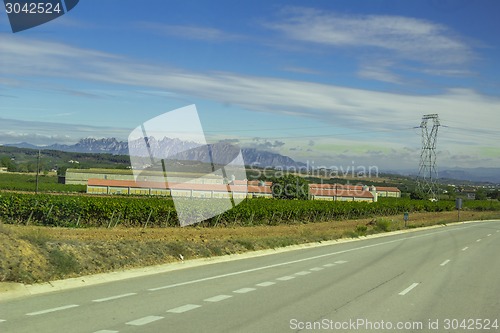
(189, 151)
(183, 150)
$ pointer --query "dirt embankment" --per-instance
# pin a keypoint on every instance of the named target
(32, 254)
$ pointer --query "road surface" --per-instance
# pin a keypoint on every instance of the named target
(437, 280)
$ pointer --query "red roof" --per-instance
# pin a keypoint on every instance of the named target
(352, 187)
(326, 192)
(388, 189)
(179, 186)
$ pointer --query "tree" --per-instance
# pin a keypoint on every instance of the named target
(419, 195)
(290, 187)
(5, 161)
(494, 195)
(481, 194)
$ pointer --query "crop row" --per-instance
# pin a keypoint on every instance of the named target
(87, 211)
(27, 182)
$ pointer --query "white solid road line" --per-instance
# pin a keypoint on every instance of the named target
(217, 298)
(407, 290)
(445, 262)
(244, 290)
(113, 297)
(285, 278)
(144, 320)
(184, 308)
(52, 310)
(465, 248)
(300, 260)
(265, 284)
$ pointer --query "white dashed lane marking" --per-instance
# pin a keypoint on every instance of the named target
(265, 284)
(445, 262)
(52, 310)
(315, 269)
(465, 248)
(106, 331)
(184, 308)
(144, 320)
(340, 262)
(244, 290)
(217, 298)
(285, 278)
(478, 240)
(2, 320)
(407, 290)
(488, 235)
(328, 265)
(113, 297)
(303, 273)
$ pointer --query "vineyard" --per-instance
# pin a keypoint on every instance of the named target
(27, 182)
(87, 211)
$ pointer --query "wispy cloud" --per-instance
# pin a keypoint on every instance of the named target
(379, 71)
(301, 70)
(341, 107)
(46, 133)
(409, 38)
(190, 32)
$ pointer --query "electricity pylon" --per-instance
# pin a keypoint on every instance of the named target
(427, 174)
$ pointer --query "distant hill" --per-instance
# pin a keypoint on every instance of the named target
(112, 146)
(446, 174)
(491, 175)
(117, 153)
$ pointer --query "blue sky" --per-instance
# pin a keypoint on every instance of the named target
(329, 82)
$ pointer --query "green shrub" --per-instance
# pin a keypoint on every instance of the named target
(383, 225)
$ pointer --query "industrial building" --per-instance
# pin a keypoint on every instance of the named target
(347, 191)
(339, 192)
(102, 181)
(238, 189)
(81, 176)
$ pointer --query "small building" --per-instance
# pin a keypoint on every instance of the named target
(388, 192)
(381, 191)
(340, 192)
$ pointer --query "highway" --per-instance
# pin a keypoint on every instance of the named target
(445, 279)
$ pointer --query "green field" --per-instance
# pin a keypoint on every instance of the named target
(27, 182)
(107, 211)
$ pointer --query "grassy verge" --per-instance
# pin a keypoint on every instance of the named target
(32, 254)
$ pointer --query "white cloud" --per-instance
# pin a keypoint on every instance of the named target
(46, 133)
(379, 72)
(360, 110)
(409, 38)
(190, 32)
(301, 70)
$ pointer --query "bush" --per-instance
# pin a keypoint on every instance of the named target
(383, 225)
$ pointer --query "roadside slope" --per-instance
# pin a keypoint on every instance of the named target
(32, 254)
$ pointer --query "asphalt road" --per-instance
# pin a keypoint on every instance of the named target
(440, 280)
